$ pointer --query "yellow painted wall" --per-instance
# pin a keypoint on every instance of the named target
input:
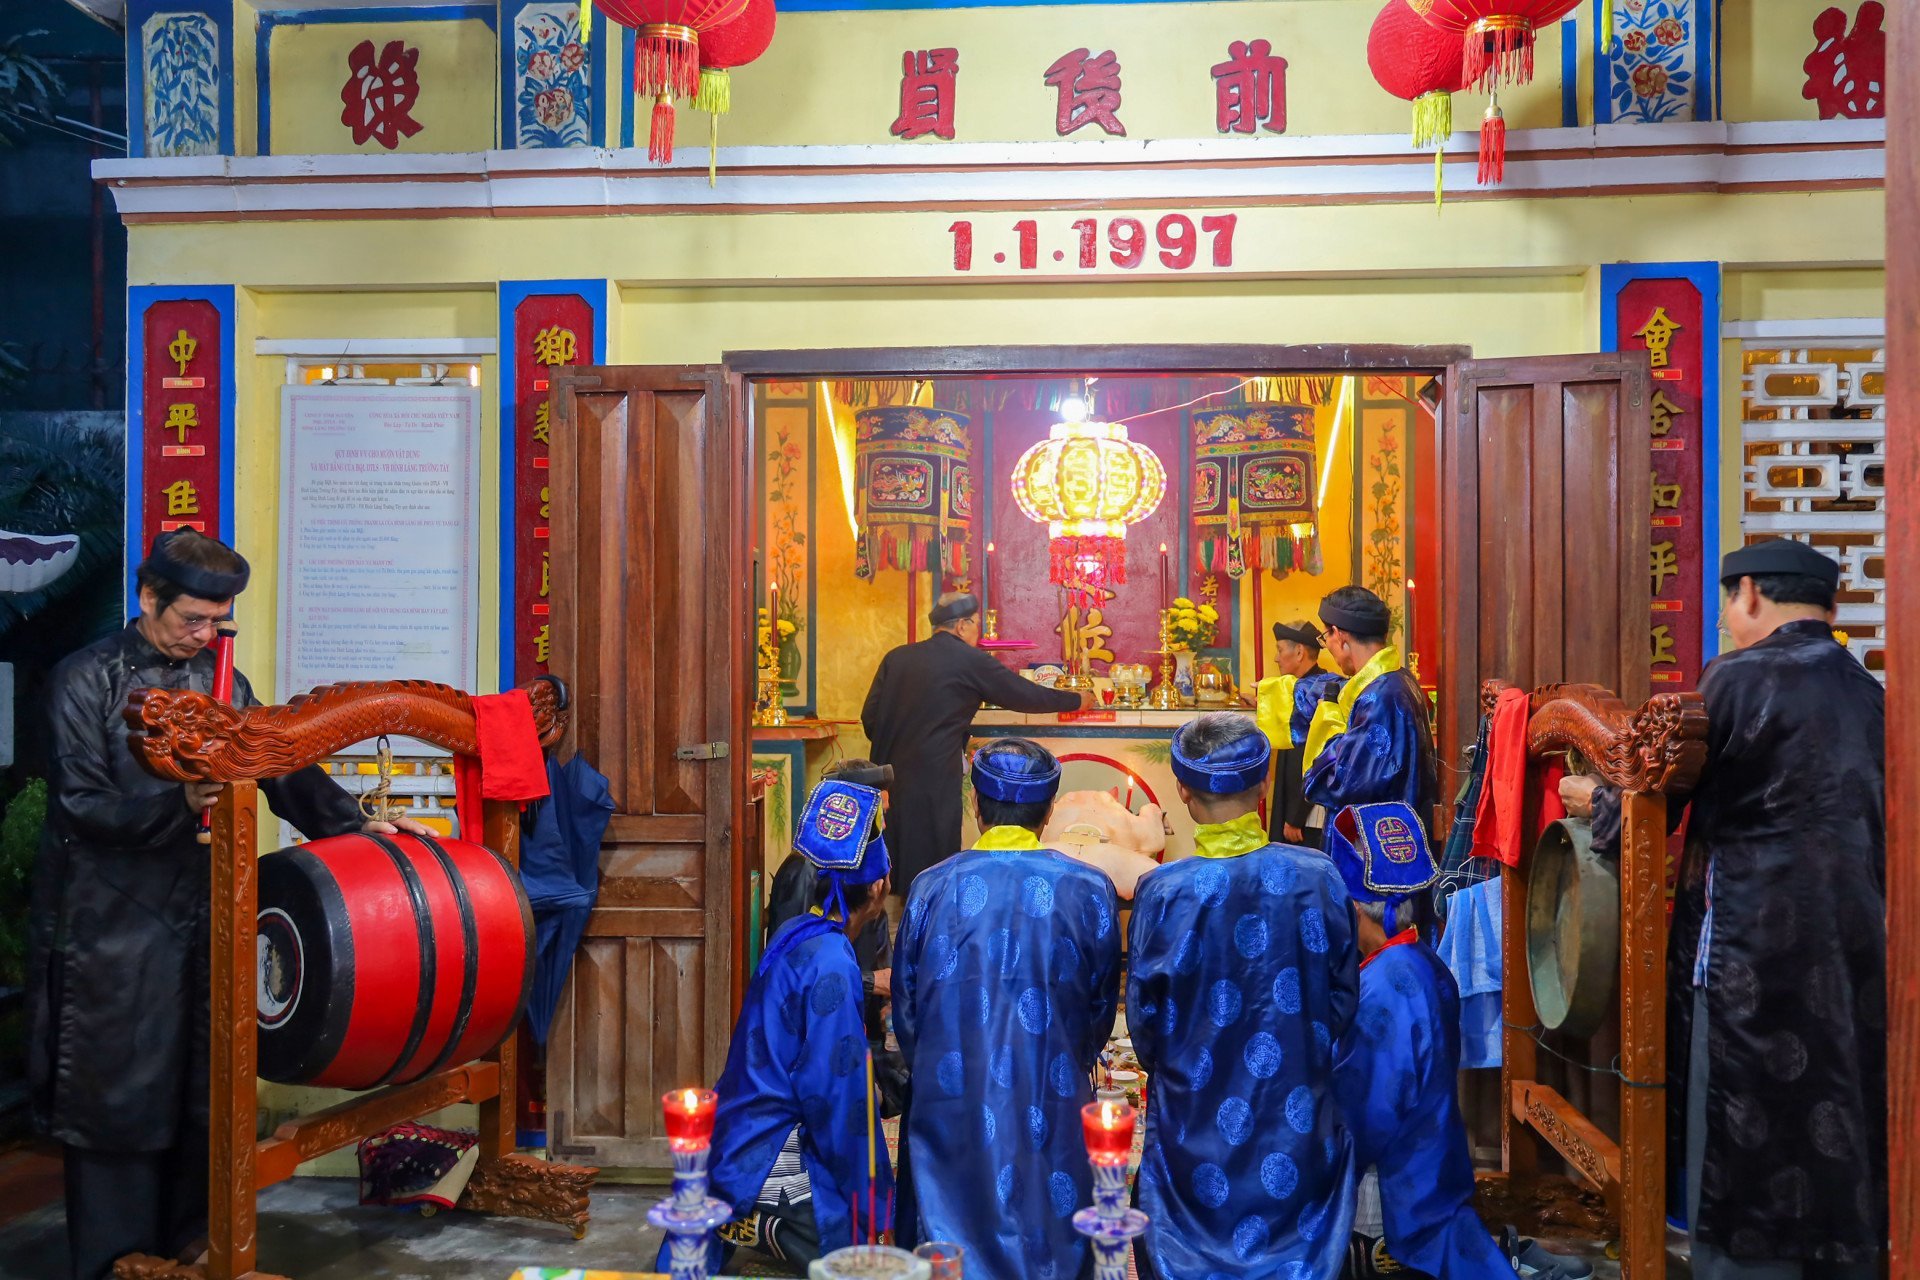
(1804, 295)
(1762, 46)
(835, 77)
(1374, 245)
(458, 72)
(439, 314)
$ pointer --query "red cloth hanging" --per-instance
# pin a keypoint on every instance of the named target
(510, 765)
(1515, 805)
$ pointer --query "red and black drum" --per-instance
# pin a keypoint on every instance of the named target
(384, 958)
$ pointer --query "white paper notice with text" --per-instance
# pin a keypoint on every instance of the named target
(379, 535)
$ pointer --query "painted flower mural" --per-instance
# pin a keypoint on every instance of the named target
(1653, 60)
(553, 98)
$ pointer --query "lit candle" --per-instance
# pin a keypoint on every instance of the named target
(986, 583)
(1166, 601)
(689, 1117)
(1109, 1130)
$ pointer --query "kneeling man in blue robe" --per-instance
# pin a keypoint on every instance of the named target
(796, 1132)
(1399, 1071)
(1243, 980)
(1006, 975)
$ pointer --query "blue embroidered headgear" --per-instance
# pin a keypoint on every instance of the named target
(1013, 776)
(1382, 853)
(1237, 765)
(838, 835)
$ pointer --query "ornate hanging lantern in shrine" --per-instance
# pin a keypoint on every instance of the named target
(1497, 39)
(1253, 489)
(913, 500)
(1087, 482)
(733, 45)
(1414, 60)
(666, 54)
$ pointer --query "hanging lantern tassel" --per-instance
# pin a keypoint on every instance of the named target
(715, 97)
(1493, 146)
(660, 134)
(1498, 50)
(1432, 127)
(666, 60)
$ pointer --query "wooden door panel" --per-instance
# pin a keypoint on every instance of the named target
(1544, 511)
(650, 603)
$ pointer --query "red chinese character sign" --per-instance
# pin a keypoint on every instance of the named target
(1088, 89)
(928, 80)
(1847, 70)
(549, 330)
(181, 377)
(1666, 319)
(1250, 89)
(379, 93)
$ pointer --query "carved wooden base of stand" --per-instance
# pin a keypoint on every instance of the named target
(143, 1266)
(1546, 1205)
(517, 1186)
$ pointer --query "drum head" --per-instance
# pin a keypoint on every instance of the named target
(1573, 929)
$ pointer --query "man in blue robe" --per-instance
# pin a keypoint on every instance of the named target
(1398, 1072)
(1006, 975)
(1284, 709)
(1374, 742)
(1243, 980)
(797, 1129)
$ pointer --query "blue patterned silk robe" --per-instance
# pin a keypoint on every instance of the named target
(1386, 752)
(1006, 975)
(1397, 1079)
(1243, 980)
(799, 1057)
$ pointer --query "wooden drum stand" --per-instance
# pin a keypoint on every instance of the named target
(1646, 753)
(190, 737)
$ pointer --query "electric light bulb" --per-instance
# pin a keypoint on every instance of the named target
(1073, 409)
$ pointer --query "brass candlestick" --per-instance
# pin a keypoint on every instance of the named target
(1164, 696)
(770, 708)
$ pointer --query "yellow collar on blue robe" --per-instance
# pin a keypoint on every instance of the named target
(1330, 719)
(1230, 839)
(999, 839)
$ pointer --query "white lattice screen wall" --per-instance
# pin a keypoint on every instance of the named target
(1813, 437)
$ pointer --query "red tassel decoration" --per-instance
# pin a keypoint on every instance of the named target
(666, 59)
(660, 135)
(1493, 146)
(1498, 50)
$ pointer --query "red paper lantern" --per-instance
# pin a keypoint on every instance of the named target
(733, 45)
(1414, 60)
(666, 55)
(1496, 35)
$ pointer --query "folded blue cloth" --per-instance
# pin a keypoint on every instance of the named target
(1470, 949)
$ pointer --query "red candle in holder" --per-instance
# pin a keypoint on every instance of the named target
(689, 1116)
(1109, 1129)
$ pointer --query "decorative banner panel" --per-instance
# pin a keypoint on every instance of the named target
(1660, 66)
(786, 433)
(1669, 314)
(553, 95)
(545, 330)
(1387, 410)
(1253, 490)
(181, 443)
(186, 92)
(1814, 434)
(914, 492)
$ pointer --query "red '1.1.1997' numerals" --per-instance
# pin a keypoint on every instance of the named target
(1125, 243)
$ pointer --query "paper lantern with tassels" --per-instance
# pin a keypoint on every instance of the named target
(721, 49)
(1087, 482)
(1497, 36)
(666, 54)
(1497, 39)
(1414, 60)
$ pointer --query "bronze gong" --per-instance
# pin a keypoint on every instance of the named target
(1573, 929)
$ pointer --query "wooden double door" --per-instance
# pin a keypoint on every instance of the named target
(1544, 507)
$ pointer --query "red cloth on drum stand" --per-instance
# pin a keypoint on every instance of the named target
(1500, 825)
(510, 765)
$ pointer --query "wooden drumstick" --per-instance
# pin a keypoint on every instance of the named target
(222, 692)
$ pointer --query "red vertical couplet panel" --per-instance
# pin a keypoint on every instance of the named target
(180, 445)
(549, 331)
(1665, 318)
